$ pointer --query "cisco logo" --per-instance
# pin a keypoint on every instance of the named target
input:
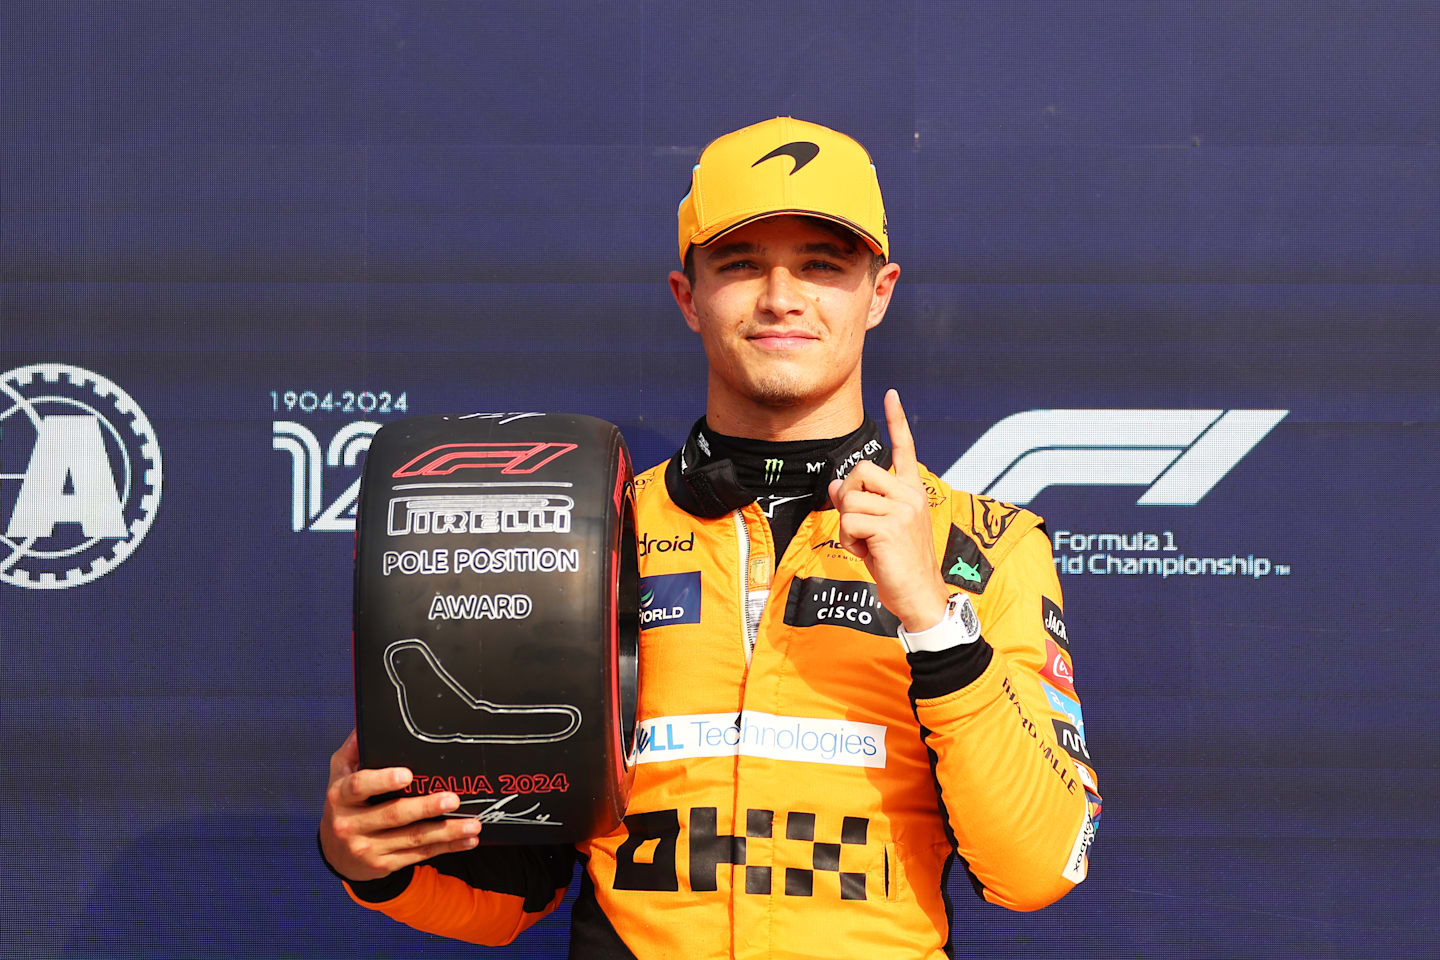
(80, 476)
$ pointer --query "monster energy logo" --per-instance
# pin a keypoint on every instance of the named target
(772, 469)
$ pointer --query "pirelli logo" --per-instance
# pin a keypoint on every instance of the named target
(480, 513)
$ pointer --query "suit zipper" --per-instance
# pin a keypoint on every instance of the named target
(747, 630)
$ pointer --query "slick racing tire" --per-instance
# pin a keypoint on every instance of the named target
(496, 618)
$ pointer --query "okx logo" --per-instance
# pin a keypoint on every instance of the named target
(1178, 455)
(80, 476)
(797, 854)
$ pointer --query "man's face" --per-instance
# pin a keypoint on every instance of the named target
(782, 306)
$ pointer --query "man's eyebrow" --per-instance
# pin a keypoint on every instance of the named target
(831, 250)
(731, 250)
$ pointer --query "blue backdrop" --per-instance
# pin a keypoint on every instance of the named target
(271, 226)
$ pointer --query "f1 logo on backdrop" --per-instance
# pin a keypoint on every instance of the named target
(80, 476)
(1179, 455)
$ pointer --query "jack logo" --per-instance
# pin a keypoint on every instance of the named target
(1178, 455)
(1054, 619)
(80, 476)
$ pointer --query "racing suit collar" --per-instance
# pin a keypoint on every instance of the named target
(706, 486)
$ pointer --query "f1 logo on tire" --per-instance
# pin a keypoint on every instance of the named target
(509, 458)
(1179, 455)
(80, 476)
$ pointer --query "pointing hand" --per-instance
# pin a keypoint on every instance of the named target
(885, 521)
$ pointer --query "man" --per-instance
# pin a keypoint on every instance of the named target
(878, 685)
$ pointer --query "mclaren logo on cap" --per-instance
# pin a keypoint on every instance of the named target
(801, 151)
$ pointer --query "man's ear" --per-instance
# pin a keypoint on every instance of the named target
(885, 280)
(684, 299)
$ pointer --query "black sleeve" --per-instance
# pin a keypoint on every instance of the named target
(533, 872)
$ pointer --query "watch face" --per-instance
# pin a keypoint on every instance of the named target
(960, 626)
(964, 614)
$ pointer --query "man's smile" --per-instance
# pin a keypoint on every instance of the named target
(781, 340)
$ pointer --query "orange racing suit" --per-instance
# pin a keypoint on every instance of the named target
(801, 782)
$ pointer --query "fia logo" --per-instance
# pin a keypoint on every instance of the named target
(308, 463)
(80, 476)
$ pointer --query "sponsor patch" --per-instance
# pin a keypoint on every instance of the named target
(804, 739)
(1092, 802)
(1069, 738)
(818, 602)
(647, 544)
(1057, 668)
(1077, 865)
(1053, 618)
(669, 599)
(963, 564)
(992, 518)
(1068, 706)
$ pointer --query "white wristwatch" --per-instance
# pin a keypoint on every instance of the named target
(960, 625)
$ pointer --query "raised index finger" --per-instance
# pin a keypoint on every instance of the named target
(902, 444)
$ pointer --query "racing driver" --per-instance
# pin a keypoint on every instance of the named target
(871, 684)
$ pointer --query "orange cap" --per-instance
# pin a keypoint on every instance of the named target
(777, 167)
